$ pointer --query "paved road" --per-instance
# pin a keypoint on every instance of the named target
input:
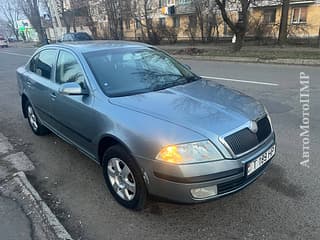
(282, 204)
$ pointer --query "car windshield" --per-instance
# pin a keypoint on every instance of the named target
(129, 71)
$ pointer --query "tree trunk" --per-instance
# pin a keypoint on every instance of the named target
(40, 30)
(16, 34)
(319, 38)
(42, 35)
(202, 31)
(74, 25)
(239, 41)
(68, 27)
(283, 30)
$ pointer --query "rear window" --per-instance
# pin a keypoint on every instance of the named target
(42, 63)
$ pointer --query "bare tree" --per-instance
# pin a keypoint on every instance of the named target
(283, 30)
(191, 29)
(114, 13)
(82, 11)
(206, 12)
(117, 11)
(143, 12)
(67, 15)
(206, 17)
(11, 12)
(30, 9)
(239, 27)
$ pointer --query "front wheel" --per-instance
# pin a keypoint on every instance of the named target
(34, 123)
(123, 178)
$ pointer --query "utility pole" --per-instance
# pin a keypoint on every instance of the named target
(56, 21)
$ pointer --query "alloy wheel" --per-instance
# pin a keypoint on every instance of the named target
(32, 118)
(121, 179)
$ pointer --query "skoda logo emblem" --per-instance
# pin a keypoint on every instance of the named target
(253, 126)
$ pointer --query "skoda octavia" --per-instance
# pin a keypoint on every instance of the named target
(155, 127)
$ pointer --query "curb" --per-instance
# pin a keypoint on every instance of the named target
(57, 228)
(301, 62)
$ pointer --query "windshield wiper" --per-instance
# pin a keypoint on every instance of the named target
(130, 93)
(158, 74)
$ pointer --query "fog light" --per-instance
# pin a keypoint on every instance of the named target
(204, 192)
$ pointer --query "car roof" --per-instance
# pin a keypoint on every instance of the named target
(91, 46)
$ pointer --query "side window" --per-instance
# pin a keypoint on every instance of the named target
(68, 69)
(32, 64)
(42, 64)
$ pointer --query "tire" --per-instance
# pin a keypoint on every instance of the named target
(127, 186)
(34, 122)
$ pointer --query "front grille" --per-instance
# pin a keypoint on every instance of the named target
(245, 139)
(239, 182)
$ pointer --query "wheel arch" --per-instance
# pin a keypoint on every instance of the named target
(24, 101)
(108, 140)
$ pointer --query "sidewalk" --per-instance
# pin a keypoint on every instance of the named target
(23, 214)
(289, 55)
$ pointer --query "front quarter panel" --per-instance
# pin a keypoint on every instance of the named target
(142, 134)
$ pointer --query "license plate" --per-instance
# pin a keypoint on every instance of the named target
(261, 160)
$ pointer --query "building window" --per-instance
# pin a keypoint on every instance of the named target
(162, 22)
(170, 2)
(176, 21)
(193, 21)
(269, 16)
(299, 15)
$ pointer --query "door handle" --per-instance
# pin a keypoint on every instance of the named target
(53, 96)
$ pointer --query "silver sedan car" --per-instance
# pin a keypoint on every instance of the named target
(155, 127)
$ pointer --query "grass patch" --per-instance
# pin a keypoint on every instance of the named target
(254, 52)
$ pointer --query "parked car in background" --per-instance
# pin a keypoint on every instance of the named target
(77, 36)
(3, 42)
(13, 39)
(154, 126)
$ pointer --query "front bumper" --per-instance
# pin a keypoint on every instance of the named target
(174, 182)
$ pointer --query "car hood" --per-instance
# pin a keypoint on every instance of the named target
(203, 106)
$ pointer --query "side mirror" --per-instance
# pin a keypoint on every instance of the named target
(187, 66)
(72, 88)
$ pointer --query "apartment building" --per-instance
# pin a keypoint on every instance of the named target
(303, 18)
(181, 17)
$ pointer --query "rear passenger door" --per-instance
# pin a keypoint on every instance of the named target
(40, 81)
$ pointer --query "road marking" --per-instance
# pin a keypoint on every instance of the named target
(17, 54)
(240, 80)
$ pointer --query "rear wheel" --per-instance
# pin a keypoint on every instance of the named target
(34, 123)
(123, 178)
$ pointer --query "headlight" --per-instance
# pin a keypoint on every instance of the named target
(189, 153)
